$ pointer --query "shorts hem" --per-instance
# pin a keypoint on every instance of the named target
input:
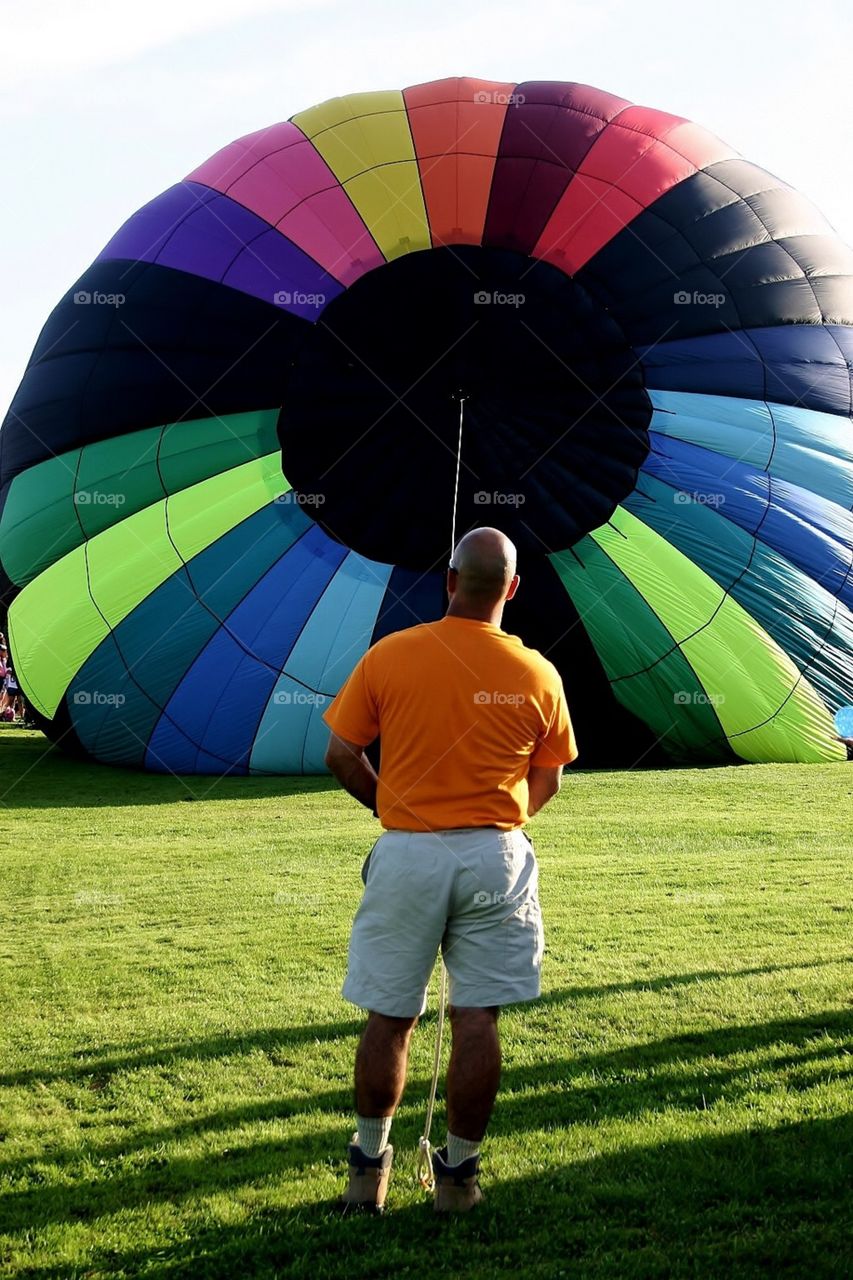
(468, 999)
(389, 1006)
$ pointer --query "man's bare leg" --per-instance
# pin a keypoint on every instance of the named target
(380, 1077)
(474, 1072)
(472, 1085)
(381, 1062)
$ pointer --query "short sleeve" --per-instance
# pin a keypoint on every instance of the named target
(557, 744)
(354, 714)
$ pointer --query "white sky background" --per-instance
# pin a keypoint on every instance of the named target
(105, 103)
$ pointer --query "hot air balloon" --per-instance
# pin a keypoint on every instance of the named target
(230, 466)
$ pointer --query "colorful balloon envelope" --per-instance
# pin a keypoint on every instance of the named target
(230, 465)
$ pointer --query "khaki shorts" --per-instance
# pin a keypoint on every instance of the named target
(473, 893)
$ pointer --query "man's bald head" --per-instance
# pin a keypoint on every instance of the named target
(485, 561)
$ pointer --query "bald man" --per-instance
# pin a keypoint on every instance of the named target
(475, 732)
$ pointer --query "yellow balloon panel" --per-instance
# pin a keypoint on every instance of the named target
(366, 141)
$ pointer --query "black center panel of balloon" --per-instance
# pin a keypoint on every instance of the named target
(555, 412)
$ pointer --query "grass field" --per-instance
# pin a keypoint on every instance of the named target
(176, 1056)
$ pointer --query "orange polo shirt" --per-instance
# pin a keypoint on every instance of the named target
(464, 710)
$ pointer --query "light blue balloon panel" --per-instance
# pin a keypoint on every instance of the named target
(844, 722)
(332, 640)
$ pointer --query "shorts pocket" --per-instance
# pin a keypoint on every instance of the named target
(365, 866)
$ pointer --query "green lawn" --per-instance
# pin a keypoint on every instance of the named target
(176, 1056)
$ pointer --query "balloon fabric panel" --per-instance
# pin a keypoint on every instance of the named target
(230, 465)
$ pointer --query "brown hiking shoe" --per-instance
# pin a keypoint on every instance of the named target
(368, 1181)
(457, 1188)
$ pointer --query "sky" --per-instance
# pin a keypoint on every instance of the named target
(104, 104)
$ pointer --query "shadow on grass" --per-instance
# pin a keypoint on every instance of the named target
(100, 1062)
(754, 1203)
(39, 775)
(269, 1039)
(688, 1074)
(665, 981)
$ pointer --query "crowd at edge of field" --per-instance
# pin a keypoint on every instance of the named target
(13, 707)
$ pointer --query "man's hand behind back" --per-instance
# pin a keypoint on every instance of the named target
(352, 769)
(543, 783)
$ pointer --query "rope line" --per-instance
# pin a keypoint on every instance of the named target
(462, 400)
(425, 1173)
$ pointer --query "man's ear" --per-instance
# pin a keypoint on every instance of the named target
(452, 579)
(513, 586)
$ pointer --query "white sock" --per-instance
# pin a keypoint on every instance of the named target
(459, 1149)
(372, 1135)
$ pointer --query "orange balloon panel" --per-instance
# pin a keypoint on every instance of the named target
(456, 128)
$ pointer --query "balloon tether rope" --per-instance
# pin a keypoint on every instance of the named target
(462, 400)
(425, 1174)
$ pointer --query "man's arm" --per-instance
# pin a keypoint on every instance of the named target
(543, 783)
(353, 770)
